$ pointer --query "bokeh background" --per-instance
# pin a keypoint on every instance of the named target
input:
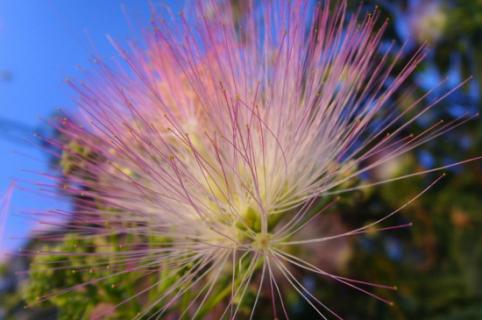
(436, 264)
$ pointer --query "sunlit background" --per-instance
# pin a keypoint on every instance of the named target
(437, 264)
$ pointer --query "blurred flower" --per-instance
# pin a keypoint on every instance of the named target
(420, 21)
(207, 159)
(4, 208)
(428, 19)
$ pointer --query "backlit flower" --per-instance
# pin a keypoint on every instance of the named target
(229, 134)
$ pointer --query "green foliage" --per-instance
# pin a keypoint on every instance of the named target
(73, 279)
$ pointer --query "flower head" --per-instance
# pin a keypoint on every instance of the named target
(229, 134)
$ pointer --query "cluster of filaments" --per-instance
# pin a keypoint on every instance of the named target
(223, 137)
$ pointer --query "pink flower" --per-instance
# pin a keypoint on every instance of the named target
(222, 137)
(4, 208)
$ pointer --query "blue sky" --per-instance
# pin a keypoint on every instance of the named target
(42, 43)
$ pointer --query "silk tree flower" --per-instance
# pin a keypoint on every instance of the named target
(207, 154)
(419, 21)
